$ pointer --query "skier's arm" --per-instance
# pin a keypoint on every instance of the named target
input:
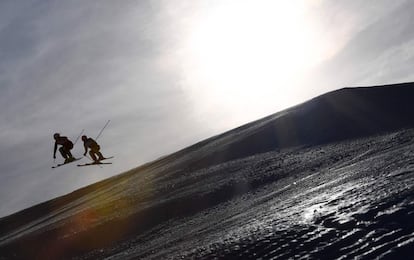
(54, 151)
(86, 149)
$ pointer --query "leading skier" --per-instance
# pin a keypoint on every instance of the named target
(66, 146)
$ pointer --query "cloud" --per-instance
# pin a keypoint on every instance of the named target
(68, 66)
(72, 65)
(373, 51)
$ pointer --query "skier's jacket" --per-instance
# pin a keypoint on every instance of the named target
(64, 141)
(92, 144)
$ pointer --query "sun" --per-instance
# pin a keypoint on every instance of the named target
(249, 52)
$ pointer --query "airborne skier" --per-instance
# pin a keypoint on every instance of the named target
(66, 146)
(94, 149)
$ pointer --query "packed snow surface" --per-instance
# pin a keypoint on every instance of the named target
(344, 200)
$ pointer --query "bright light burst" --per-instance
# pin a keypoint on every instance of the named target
(243, 52)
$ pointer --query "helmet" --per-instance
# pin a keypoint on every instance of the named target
(84, 137)
(56, 135)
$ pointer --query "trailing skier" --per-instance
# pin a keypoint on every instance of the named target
(94, 147)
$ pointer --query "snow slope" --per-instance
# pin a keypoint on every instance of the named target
(275, 188)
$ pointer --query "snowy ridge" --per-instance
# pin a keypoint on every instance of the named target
(345, 191)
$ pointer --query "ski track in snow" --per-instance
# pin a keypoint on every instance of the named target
(346, 200)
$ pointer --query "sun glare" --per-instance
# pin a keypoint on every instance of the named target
(247, 52)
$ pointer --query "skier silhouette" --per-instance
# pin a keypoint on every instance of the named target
(66, 146)
(94, 149)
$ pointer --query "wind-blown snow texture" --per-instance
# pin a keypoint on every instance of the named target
(332, 178)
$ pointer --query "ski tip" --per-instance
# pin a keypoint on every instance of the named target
(106, 158)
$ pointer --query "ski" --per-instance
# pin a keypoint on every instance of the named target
(93, 163)
(110, 157)
(61, 164)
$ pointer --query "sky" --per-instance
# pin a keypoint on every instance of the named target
(170, 73)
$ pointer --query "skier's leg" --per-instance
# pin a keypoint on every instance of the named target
(68, 147)
(98, 152)
(101, 157)
(66, 150)
(63, 152)
(93, 156)
(95, 151)
(66, 154)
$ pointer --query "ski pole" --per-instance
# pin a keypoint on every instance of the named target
(79, 136)
(102, 130)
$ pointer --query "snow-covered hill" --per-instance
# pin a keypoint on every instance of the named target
(331, 178)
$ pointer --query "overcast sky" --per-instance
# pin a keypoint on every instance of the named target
(169, 73)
